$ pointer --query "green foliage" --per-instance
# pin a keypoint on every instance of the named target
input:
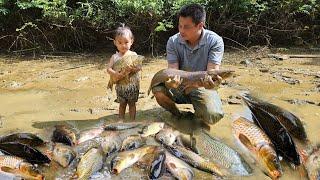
(78, 24)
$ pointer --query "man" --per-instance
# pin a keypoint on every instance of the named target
(193, 49)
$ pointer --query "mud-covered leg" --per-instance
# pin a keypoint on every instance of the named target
(207, 105)
(165, 102)
(132, 110)
(122, 110)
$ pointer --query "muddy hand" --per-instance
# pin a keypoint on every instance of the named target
(134, 69)
(119, 75)
(208, 83)
(174, 83)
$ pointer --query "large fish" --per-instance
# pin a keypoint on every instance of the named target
(132, 142)
(24, 151)
(90, 163)
(157, 167)
(63, 154)
(312, 163)
(121, 126)
(64, 134)
(110, 142)
(290, 121)
(127, 158)
(189, 80)
(253, 138)
(218, 152)
(167, 136)
(152, 129)
(89, 134)
(197, 161)
(84, 147)
(278, 134)
(24, 138)
(122, 64)
(16, 165)
(178, 168)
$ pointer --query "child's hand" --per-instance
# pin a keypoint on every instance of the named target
(118, 75)
(133, 69)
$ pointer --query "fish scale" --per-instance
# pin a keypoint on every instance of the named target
(254, 133)
(91, 162)
(10, 161)
(253, 138)
(218, 152)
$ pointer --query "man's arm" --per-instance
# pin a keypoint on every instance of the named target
(212, 66)
(173, 65)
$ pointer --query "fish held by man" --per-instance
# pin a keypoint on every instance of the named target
(189, 80)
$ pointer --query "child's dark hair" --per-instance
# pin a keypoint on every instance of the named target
(123, 30)
(195, 11)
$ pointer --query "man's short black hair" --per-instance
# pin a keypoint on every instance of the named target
(195, 11)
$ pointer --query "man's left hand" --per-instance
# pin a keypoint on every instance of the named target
(208, 83)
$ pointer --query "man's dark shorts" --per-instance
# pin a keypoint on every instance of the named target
(206, 102)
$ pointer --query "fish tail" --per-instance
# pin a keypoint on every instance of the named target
(110, 85)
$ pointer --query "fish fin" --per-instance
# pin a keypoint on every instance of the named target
(8, 170)
(110, 85)
(245, 141)
(194, 145)
(20, 174)
(302, 171)
(172, 165)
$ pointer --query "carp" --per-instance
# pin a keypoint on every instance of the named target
(90, 163)
(64, 134)
(311, 161)
(24, 151)
(167, 136)
(178, 168)
(110, 142)
(152, 129)
(121, 126)
(89, 134)
(218, 152)
(278, 134)
(122, 64)
(127, 158)
(189, 80)
(24, 138)
(197, 161)
(132, 142)
(18, 166)
(257, 142)
(290, 121)
(63, 154)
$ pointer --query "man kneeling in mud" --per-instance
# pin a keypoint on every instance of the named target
(193, 49)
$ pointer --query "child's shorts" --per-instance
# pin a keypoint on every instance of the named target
(127, 93)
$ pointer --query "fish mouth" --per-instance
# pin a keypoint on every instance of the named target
(115, 171)
(275, 174)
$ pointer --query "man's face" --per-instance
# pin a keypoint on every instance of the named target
(189, 31)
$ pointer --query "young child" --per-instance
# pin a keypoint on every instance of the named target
(127, 93)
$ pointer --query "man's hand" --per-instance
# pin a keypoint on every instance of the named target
(174, 83)
(208, 83)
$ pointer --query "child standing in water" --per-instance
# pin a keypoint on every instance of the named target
(127, 93)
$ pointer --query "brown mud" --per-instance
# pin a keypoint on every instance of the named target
(36, 94)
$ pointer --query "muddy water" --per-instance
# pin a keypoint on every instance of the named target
(37, 94)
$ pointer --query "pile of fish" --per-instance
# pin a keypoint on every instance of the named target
(160, 151)
(108, 150)
(271, 135)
